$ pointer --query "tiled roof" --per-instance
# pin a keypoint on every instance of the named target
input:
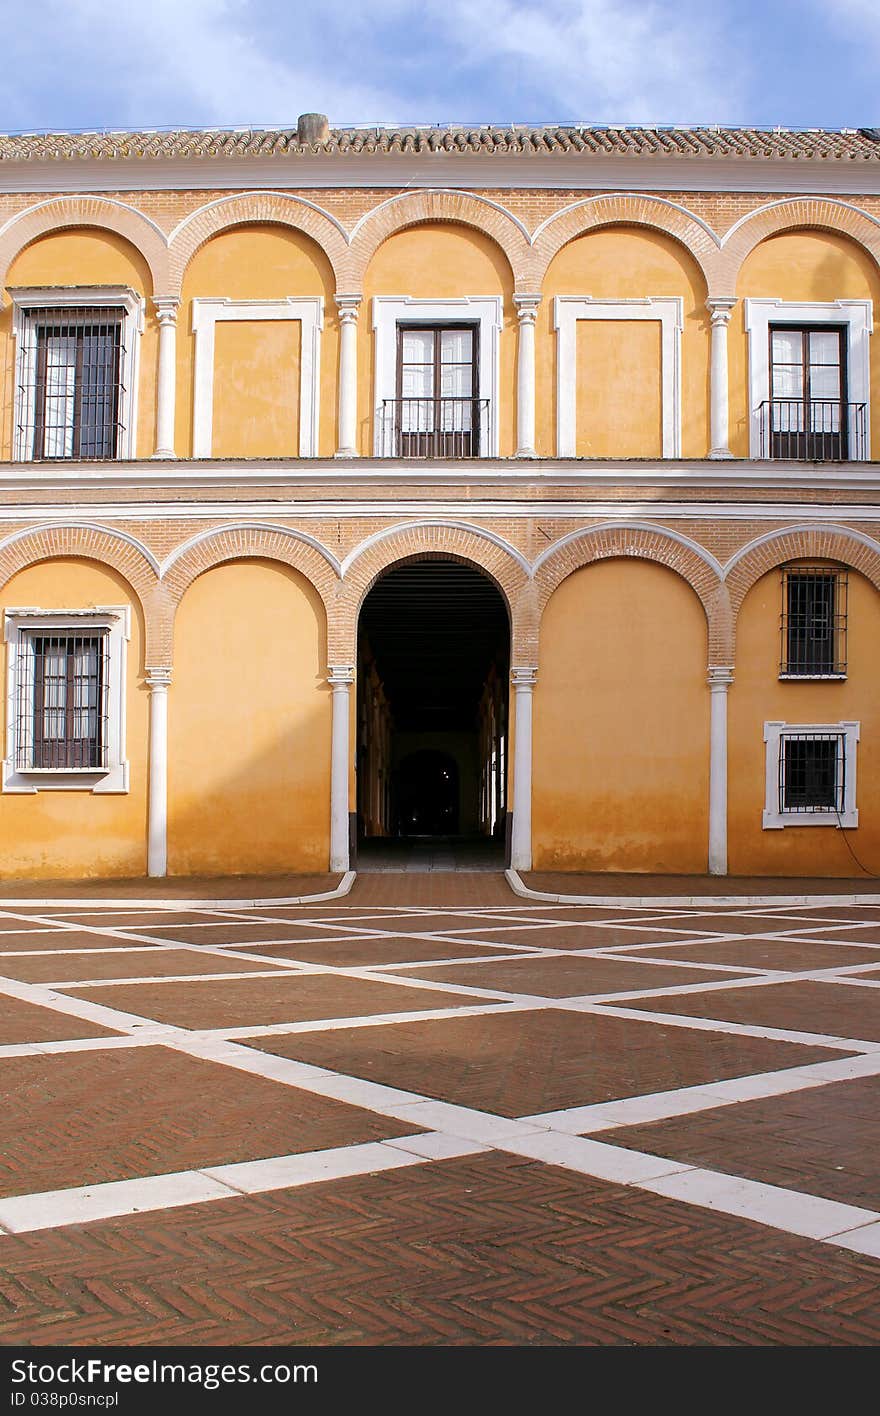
(859, 145)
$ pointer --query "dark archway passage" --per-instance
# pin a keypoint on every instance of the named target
(433, 669)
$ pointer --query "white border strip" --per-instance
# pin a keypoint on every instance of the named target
(180, 903)
(519, 887)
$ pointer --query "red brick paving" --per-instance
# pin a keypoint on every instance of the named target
(577, 936)
(232, 933)
(823, 1142)
(836, 1010)
(59, 939)
(27, 1022)
(493, 1250)
(290, 998)
(521, 1063)
(579, 883)
(78, 1118)
(564, 977)
(764, 954)
(152, 963)
(359, 953)
(172, 887)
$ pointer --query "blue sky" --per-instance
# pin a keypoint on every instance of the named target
(114, 63)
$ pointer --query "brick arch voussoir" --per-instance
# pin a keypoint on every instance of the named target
(69, 212)
(428, 543)
(625, 544)
(422, 208)
(796, 214)
(104, 548)
(251, 544)
(255, 209)
(627, 211)
(800, 545)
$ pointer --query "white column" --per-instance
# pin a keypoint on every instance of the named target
(340, 678)
(348, 306)
(719, 391)
(166, 307)
(526, 313)
(158, 681)
(719, 680)
(521, 838)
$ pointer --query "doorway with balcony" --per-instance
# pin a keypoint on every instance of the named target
(432, 720)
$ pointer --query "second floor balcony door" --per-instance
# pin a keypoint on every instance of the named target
(437, 407)
(808, 408)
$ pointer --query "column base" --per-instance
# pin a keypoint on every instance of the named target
(718, 454)
(164, 454)
(525, 452)
(347, 452)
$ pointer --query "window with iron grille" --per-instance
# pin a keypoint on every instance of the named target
(813, 622)
(66, 700)
(811, 771)
(76, 372)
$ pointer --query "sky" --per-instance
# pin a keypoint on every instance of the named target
(73, 64)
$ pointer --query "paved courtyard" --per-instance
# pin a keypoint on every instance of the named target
(433, 1112)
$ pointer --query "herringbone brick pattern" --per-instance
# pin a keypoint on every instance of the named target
(493, 1250)
(800, 1141)
(826, 1008)
(523, 1063)
(497, 1248)
(82, 1118)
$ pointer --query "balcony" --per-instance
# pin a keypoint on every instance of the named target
(433, 427)
(813, 430)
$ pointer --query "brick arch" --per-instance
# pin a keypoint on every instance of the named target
(102, 213)
(644, 542)
(255, 208)
(419, 208)
(792, 214)
(122, 554)
(232, 543)
(433, 541)
(834, 543)
(625, 209)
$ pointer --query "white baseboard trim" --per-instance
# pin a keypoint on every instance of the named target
(519, 887)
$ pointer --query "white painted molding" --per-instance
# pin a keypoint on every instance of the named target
(115, 621)
(486, 311)
(308, 309)
(113, 531)
(856, 315)
(668, 310)
(599, 528)
(291, 532)
(404, 526)
(858, 537)
(775, 734)
(26, 302)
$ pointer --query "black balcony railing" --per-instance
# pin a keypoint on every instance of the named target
(813, 430)
(434, 427)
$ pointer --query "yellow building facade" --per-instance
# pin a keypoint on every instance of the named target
(516, 486)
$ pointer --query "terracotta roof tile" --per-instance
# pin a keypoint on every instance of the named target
(861, 145)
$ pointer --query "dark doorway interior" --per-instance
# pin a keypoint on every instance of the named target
(433, 668)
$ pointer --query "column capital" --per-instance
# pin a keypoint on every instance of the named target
(157, 678)
(340, 675)
(527, 308)
(524, 676)
(719, 677)
(721, 307)
(348, 307)
(166, 307)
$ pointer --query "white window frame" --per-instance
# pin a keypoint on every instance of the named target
(27, 301)
(308, 310)
(486, 311)
(667, 310)
(115, 622)
(775, 734)
(857, 316)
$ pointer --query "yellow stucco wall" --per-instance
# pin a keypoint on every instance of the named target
(621, 729)
(620, 263)
(82, 257)
(619, 396)
(758, 696)
(257, 263)
(58, 834)
(802, 266)
(256, 388)
(249, 725)
(439, 261)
